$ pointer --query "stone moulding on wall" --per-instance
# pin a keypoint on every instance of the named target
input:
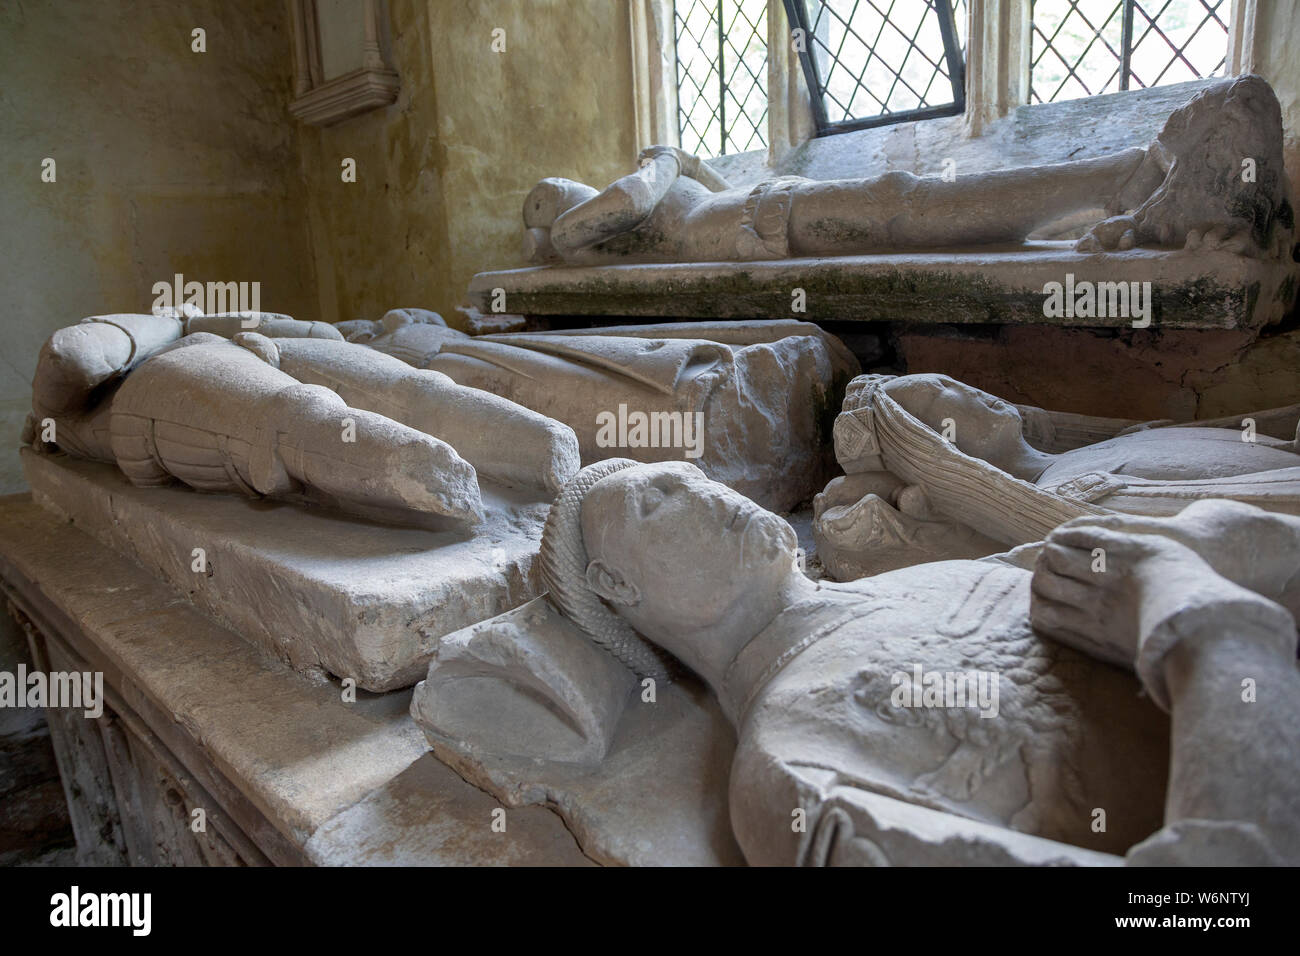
(345, 97)
(323, 102)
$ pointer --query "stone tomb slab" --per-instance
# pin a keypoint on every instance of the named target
(428, 816)
(1200, 290)
(326, 592)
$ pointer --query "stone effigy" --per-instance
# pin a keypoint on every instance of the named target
(454, 482)
(957, 712)
(361, 331)
(746, 401)
(976, 246)
(1184, 190)
(271, 416)
(937, 469)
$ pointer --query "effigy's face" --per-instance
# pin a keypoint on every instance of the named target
(1001, 419)
(692, 548)
(973, 419)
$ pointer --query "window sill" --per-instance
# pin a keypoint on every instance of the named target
(1031, 135)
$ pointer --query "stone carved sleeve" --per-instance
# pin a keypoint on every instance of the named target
(1231, 777)
(526, 684)
(504, 441)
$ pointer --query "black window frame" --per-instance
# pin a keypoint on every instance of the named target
(798, 16)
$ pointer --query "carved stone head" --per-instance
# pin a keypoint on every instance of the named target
(688, 563)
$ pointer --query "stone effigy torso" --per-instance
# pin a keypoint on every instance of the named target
(820, 718)
(1189, 454)
(763, 403)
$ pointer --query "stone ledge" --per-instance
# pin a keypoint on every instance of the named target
(1214, 290)
(324, 591)
(307, 776)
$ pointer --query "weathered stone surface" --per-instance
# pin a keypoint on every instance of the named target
(220, 416)
(476, 323)
(748, 401)
(1207, 290)
(861, 248)
(298, 754)
(323, 591)
(503, 441)
(291, 745)
(523, 683)
(428, 816)
(529, 709)
(658, 798)
(1186, 189)
(273, 416)
(889, 832)
(270, 324)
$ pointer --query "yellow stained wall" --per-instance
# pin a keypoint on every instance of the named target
(1277, 59)
(442, 173)
(167, 161)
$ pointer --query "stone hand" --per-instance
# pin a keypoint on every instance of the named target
(849, 489)
(1257, 549)
(686, 162)
(310, 436)
(1129, 597)
(1109, 235)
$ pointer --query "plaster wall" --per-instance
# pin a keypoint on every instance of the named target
(167, 160)
(442, 173)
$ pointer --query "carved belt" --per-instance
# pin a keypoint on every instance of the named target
(764, 226)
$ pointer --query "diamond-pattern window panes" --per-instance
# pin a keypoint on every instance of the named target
(1178, 40)
(1085, 47)
(874, 62)
(721, 75)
